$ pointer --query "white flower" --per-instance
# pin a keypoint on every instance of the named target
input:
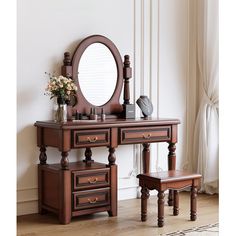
(60, 85)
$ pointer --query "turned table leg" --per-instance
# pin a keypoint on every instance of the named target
(193, 203)
(112, 156)
(146, 157)
(43, 156)
(144, 198)
(176, 203)
(171, 166)
(88, 155)
(43, 161)
(160, 203)
(64, 161)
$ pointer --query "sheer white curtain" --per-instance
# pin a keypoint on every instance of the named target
(206, 132)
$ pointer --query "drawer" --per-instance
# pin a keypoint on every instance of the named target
(91, 198)
(89, 179)
(145, 135)
(91, 138)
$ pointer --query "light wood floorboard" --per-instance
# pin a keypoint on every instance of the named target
(127, 223)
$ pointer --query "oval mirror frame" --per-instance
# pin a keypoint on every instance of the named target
(112, 106)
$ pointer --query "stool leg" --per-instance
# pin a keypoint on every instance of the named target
(144, 197)
(170, 198)
(193, 204)
(160, 203)
(176, 203)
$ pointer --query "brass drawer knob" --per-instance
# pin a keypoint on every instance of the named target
(92, 201)
(93, 140)
(93, 181)
(147, 136)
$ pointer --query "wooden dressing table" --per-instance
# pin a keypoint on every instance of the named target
(73, 189)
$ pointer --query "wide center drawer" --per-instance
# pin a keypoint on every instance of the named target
(91, 138)
(144, 135)
(91, 198)
(91, 179)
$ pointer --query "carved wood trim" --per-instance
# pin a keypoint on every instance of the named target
(113, 106)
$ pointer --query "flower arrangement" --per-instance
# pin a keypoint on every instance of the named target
(63, 88)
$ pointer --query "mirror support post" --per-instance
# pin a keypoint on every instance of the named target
(66, 69)
(127, 72)
(128, 108)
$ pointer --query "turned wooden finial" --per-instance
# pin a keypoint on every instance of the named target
(66, 69)
(127, 61)
(67, 59)
(127, 71)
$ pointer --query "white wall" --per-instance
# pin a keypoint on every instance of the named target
(173, 70)
(153, 32)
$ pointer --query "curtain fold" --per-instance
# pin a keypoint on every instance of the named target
(206, 132)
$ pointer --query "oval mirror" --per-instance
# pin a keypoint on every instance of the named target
(97, 68)
(97, 74)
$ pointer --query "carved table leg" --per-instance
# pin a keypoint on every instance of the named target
(112, 156)
(146, 157)
(64, 161)
(160, 203)
(193, 204)
(144, 197)
(171, 166)
(43, 156)
(88, 155)
(176, 203)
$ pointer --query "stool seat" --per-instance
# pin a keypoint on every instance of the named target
(163, 180)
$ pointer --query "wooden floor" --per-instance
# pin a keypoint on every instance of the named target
(126, 223)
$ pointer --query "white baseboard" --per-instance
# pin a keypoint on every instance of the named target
(27, 201)
(27, 207)
(128, 193)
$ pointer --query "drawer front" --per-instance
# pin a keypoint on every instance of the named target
(145, 135)
(91, 138)
(91, 198)
(91, 179)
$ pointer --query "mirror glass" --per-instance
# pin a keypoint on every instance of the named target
(97, 74)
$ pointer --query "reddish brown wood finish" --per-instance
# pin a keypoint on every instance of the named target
(66, 69)
(127, 75)
(160, 204)
(98, 178)
(146, 157)
(113, 106)
(88, 155)
(91, 199)
(91, 138)
(176, 203)
(42, 156)
(64, 160)
(144, 196)
(81, 189)
(112, 156)
(64, 196)
(113, 200)
(193, 203)
(63, 136)
(164, 180)
(171, 166)
(145, 135)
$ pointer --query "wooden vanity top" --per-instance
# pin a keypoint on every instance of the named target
(117, 122)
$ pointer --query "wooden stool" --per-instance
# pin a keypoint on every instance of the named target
(164, 180)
